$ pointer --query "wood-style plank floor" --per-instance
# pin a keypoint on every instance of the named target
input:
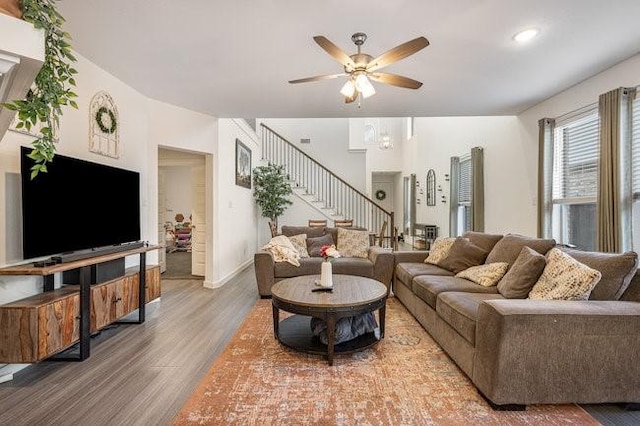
(143, 374)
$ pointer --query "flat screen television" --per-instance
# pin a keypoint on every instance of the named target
(77, 205)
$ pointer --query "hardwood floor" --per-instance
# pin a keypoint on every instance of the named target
(143, 374)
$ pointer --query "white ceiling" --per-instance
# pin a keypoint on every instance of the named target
(234, 58)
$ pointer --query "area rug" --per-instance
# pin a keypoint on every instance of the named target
(406, 379)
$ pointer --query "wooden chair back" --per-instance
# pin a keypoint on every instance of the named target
(317, 223)
(346, 223)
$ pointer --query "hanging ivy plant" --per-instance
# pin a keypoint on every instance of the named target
(111, 125)
(380, 195)
(52, 87)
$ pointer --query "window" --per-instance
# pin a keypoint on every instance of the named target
(574, 180)
(464, 195)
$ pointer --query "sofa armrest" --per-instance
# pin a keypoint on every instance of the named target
(410, 256)
(383, 264)
(264, 265)
(552, 352)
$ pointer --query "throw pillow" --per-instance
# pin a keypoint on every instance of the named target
(486, 275)
(523, 274)
(617, 270)
(353, 243)
(508, 248)
(300, 243)
(315, 244)
(564, 278)
(462, 255)
(439, 249)
(482, 240)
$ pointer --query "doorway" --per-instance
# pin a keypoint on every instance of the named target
(182, 213)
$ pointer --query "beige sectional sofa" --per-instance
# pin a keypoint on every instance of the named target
(378, 263)
(521, 351)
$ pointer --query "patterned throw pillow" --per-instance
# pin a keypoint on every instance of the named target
(353, 243)
(564, 278)
(486, 275)
(439, 249)
(300, 243)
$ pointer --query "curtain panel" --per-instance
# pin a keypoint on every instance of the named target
(477, 189)
(613, 206)
(546, 128)
(454, 183)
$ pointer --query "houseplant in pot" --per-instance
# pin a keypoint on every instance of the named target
(271, 191)
(52, 87)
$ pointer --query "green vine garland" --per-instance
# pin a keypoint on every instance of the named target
(380, 195)
(112, 118)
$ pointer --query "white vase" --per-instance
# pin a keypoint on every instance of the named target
(326, 275)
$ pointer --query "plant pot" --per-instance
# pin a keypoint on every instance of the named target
(11, 8)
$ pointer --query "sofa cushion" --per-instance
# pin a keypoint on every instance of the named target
(308, 266)
(353, 243)
(522, 276)
(353, 266)
(460, 311)
(617, 270)
(509, 247)
(311, 231)
(439, 249)
(315, 244)
(427, 287)
(487, 275)
(485, 241)
(334, 231)
(406, 271)
(564, 278)
(462, 255)
(300, 243)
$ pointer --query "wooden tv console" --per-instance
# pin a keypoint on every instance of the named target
(40, 326)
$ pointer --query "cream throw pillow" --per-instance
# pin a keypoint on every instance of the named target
(564, 278)
(300, 243)
(486, 275)
(353, 243)
(439, 249)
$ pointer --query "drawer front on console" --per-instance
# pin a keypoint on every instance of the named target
(152, 283)
(58, 326)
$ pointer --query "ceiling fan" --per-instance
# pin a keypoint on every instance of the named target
(360, 67)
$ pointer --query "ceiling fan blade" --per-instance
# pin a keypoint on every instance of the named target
(316, 78)
(395, 80)
(335, 51)
(397, 53)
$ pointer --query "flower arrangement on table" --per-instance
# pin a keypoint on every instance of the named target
(329, 252)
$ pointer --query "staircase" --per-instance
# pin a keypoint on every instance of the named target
(320, 187)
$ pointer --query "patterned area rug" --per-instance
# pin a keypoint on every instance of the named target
(404, 380)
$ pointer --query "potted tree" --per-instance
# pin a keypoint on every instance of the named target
(271, 192)
(52, 87)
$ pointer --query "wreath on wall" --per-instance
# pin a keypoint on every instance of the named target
(380, 195)
(109, 127)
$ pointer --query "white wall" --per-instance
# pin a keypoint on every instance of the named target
(235, 234)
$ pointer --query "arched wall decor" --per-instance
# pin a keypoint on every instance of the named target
(104, 126)
(431, 188)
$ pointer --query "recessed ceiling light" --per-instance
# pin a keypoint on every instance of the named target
(526, 35)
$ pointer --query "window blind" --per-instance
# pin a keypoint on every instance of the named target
(575, 159)
(464, 184)
(635, 146)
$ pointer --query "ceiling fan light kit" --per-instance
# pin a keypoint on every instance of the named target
(360, 67)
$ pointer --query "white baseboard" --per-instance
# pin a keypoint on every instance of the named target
(7, 371)
(222, 281)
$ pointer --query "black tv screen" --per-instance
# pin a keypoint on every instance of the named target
(77, 205)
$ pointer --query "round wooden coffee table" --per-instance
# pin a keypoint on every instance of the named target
(351, 296)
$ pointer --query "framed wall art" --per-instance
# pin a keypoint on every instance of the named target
(243, 165)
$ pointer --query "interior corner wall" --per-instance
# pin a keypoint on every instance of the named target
(508, 203)
(235, 229)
